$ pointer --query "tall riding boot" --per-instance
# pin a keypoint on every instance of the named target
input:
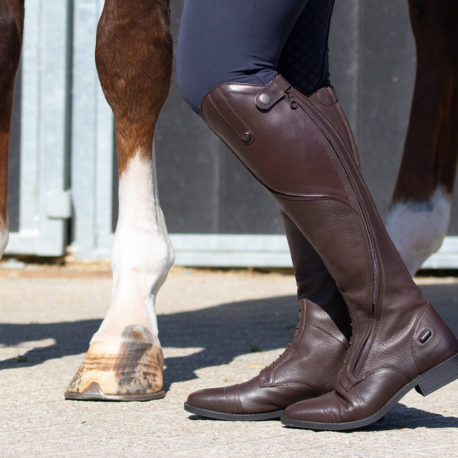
(309, 365)
(398, 341)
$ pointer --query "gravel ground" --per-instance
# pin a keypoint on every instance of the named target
(212, 325)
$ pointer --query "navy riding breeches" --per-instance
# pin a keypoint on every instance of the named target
(250, 41)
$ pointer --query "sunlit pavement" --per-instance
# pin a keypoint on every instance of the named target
(216, 328)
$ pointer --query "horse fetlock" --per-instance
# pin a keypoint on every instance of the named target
(419, 228)
(144, 257)
(141, 262)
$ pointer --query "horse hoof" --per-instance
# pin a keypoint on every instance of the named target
(128, 369)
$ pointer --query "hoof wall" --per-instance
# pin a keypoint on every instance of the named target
(127, 369)
(94, 392)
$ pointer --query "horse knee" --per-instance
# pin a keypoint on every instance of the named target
(134, 59)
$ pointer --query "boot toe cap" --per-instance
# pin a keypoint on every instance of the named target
(215, 399)
(320, 409)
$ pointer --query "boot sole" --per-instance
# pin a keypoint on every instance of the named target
(425, 384)
(232, 416)
(95, 393)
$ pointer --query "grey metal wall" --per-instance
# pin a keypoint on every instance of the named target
(205, 192)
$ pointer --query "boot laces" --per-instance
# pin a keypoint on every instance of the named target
(288, 347)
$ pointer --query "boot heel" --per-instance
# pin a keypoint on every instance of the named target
(438, 376)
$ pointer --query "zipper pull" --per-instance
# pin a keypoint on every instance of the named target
(292, 101)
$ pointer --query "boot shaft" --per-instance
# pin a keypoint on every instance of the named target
(292, 149)
(313, 279)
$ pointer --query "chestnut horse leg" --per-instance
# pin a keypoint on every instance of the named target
(11, 25)
(134, 61)
(420, 207)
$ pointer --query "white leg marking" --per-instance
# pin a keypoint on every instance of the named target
(3, 235)
(142, 253)
(418, 228)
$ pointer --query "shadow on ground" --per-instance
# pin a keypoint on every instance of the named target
(402, 416)
(223, 332)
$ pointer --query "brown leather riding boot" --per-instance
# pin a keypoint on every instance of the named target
(398, 340)
(309, 365)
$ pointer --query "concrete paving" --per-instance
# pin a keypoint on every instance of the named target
(211, 324)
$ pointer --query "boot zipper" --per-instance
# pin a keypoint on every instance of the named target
(360, 360)
(346, 164)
